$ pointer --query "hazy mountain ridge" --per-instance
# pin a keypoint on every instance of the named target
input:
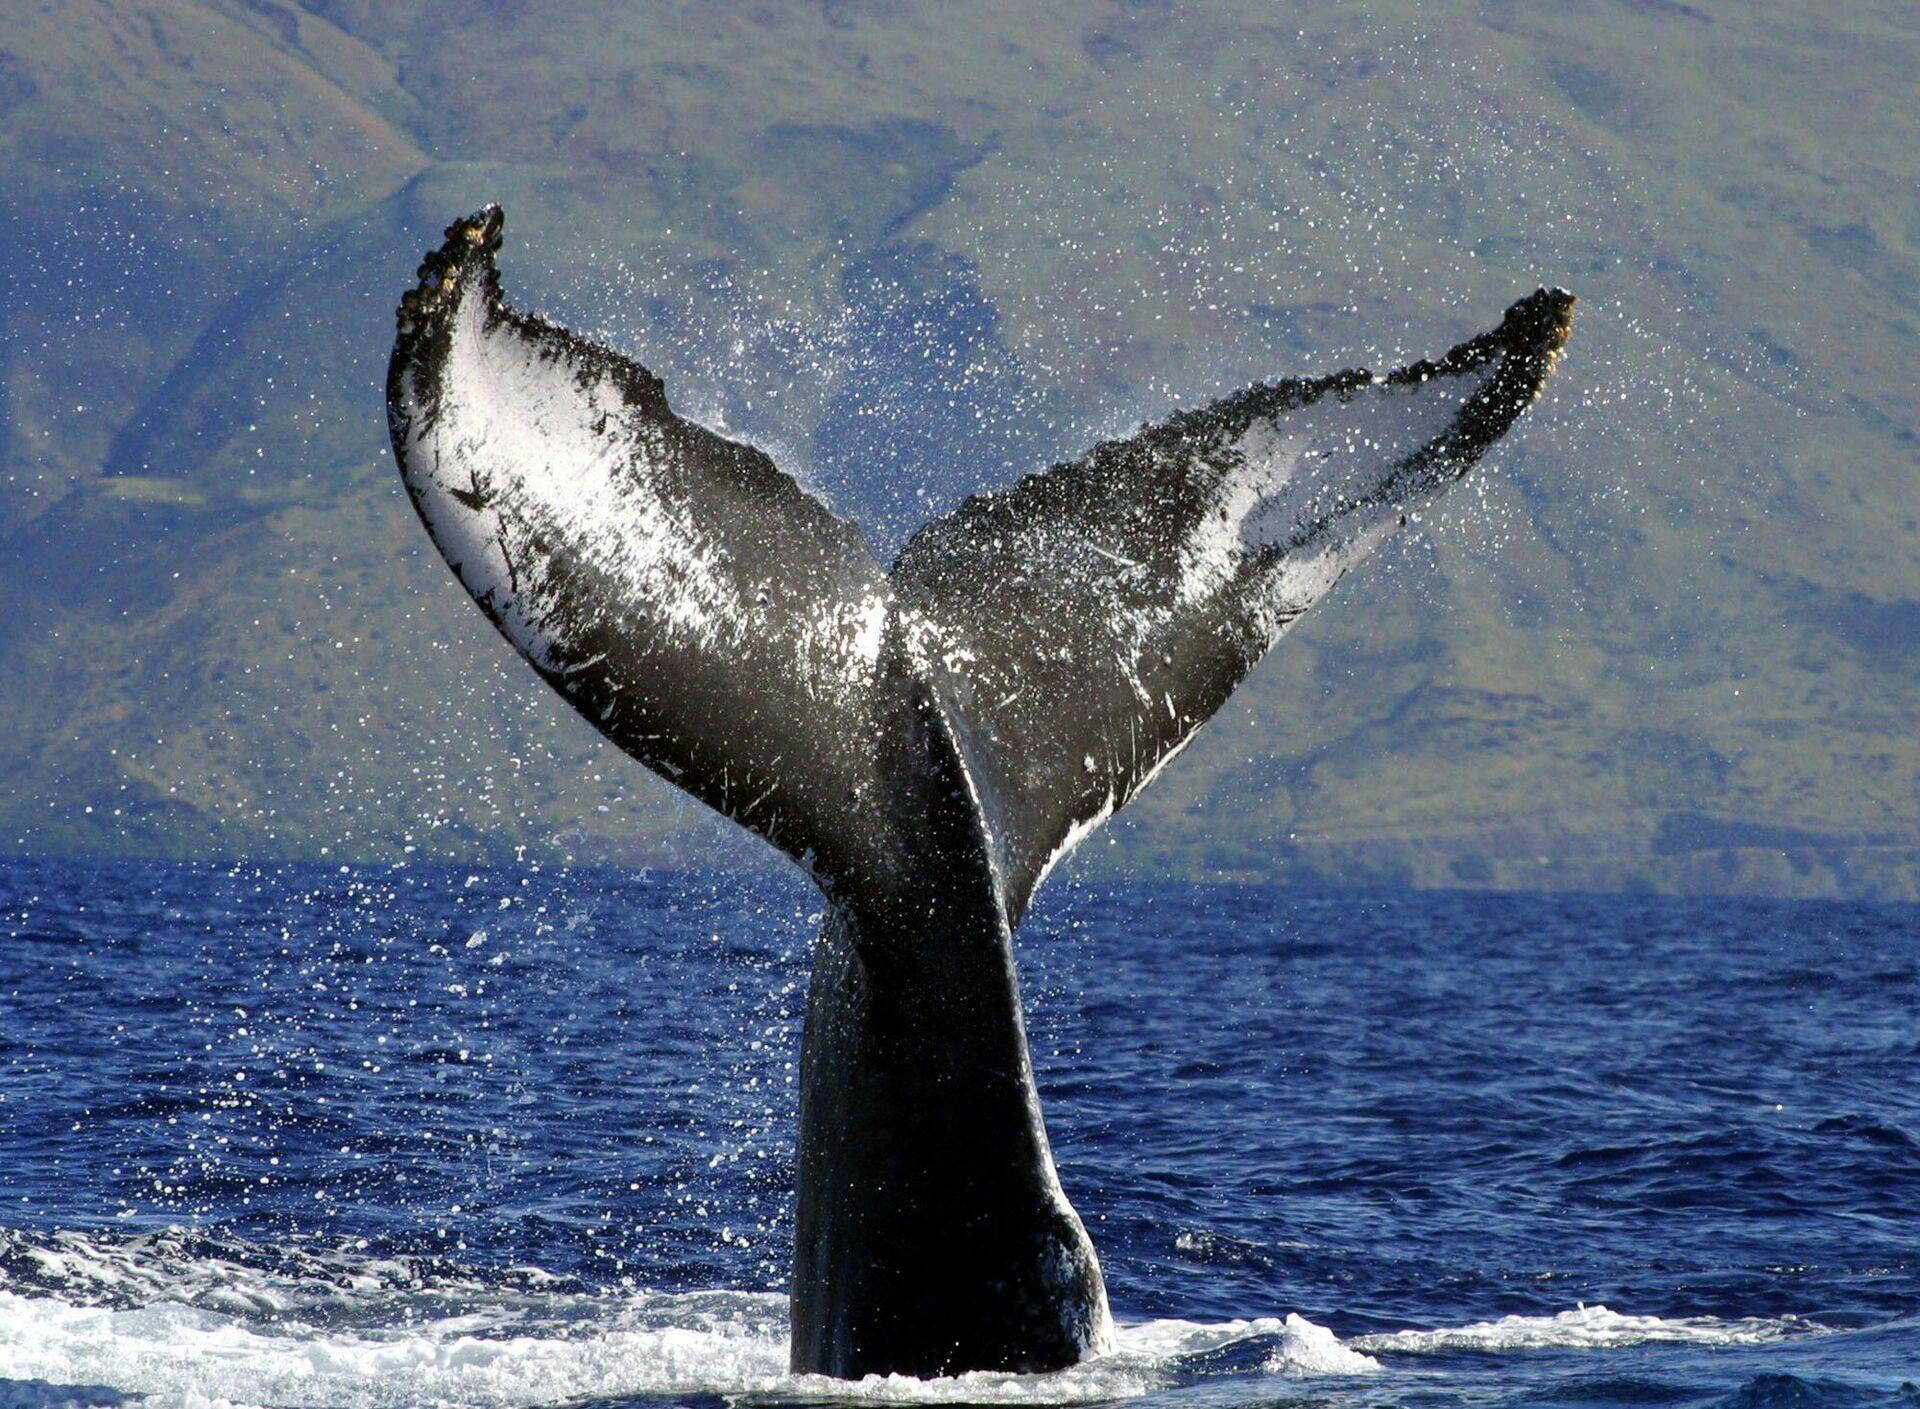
(228, 627)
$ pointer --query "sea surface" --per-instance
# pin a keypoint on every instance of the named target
(351, 1137)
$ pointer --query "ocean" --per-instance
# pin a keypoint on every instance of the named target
(311, 1136)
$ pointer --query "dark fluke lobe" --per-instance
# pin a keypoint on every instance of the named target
(926, 742)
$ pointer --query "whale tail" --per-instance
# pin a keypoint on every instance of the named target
(723, 627)
(927, 741)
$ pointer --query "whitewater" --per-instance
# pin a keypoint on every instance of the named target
(151, 1316)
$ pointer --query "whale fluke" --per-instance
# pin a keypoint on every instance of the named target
(926, 742)
(1106, 608)
(679, 590)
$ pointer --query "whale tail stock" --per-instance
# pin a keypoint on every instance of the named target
(927, 742)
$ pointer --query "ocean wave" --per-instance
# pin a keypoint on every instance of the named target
(185, 1356)
(1586, 1327)
(195, 1320)
(731, 1343)
(1783, 1391)
(190, 1320)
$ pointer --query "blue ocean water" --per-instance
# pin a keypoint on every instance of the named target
(305, 1136)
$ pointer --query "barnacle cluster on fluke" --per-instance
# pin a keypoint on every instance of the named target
(439, 273)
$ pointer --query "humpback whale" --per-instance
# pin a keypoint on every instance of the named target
(926, 741)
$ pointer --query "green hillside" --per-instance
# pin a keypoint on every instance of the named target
(1670, 640)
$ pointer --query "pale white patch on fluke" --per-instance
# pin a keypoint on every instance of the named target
(1301, 499)
(1306, 475)
(546, 466)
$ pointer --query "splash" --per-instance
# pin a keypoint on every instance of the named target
(1588, 1327)
(188, 1320)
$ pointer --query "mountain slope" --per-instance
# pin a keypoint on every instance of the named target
(1671, 642)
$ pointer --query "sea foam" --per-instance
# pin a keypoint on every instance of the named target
(192, 1321)
(1594, 1327)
